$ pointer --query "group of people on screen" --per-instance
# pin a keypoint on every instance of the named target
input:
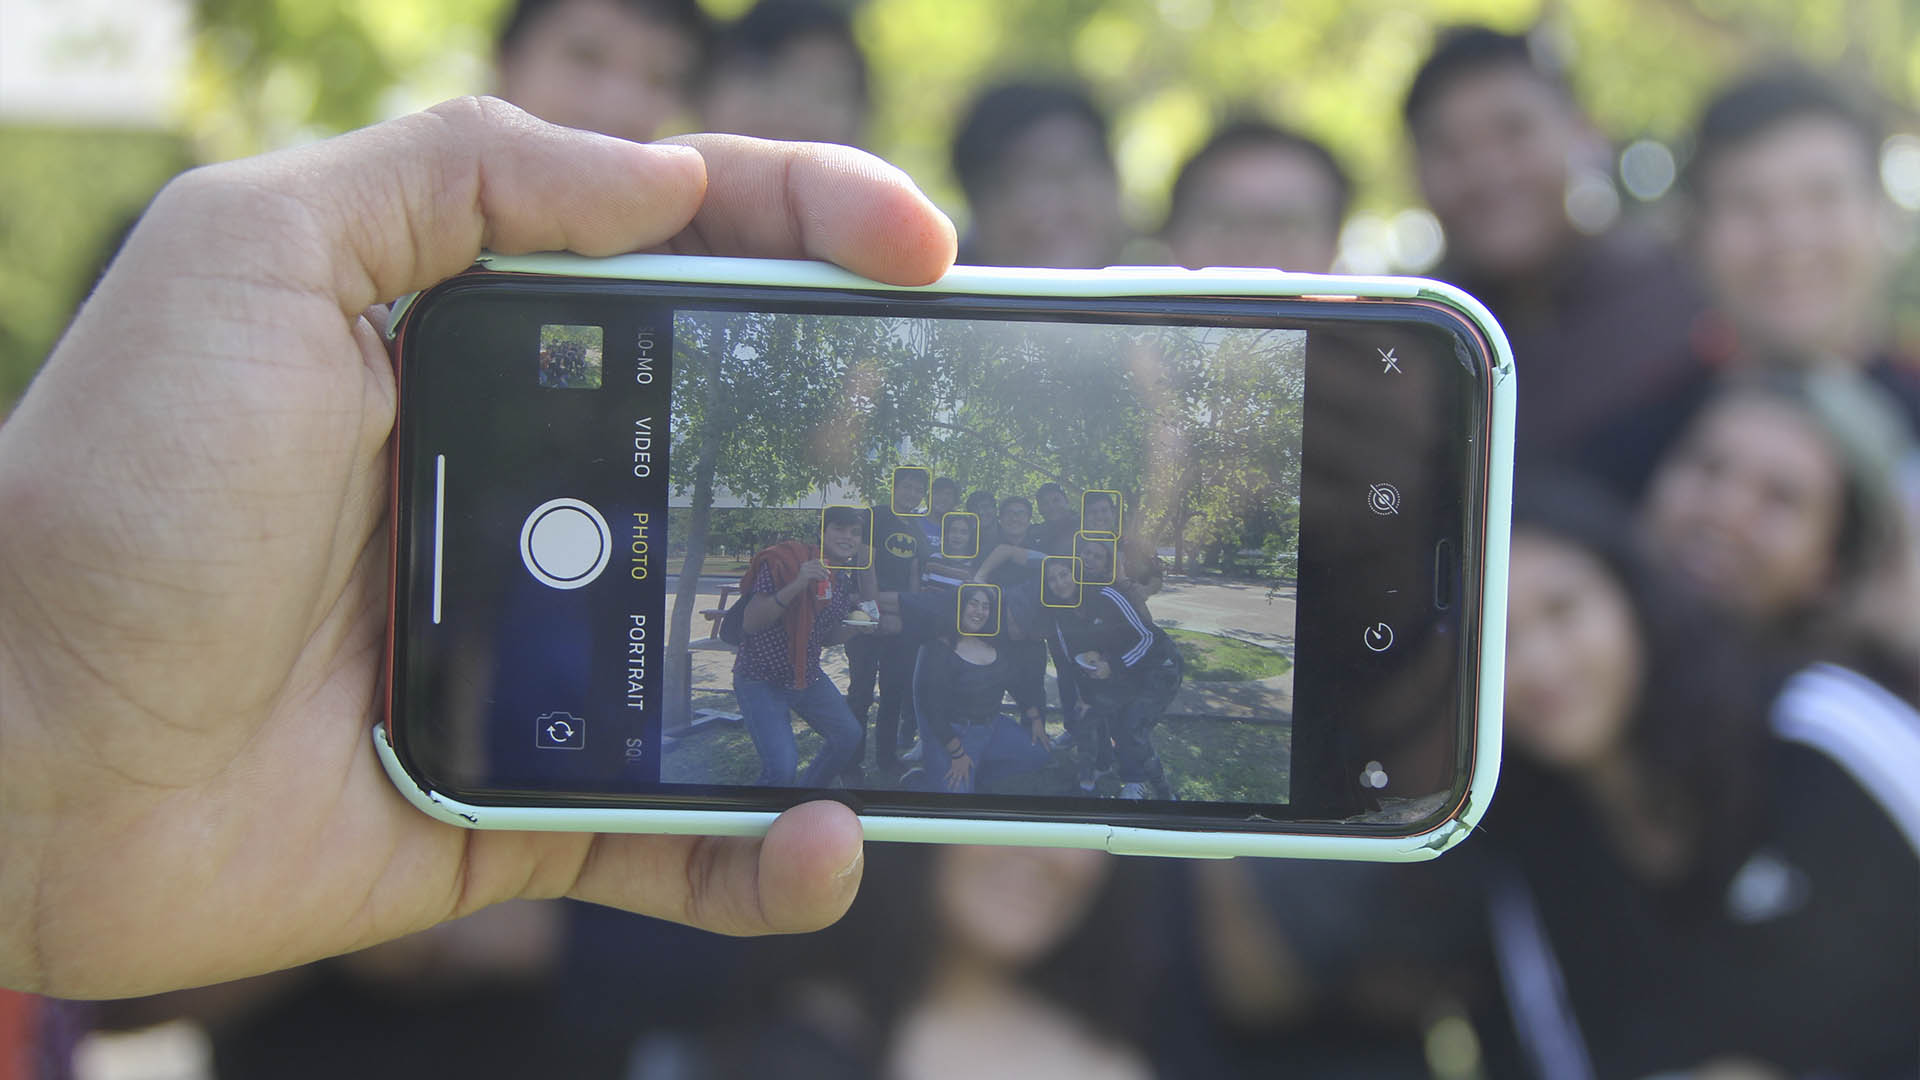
(950, 614)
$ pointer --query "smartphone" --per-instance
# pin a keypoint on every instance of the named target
(1149, 560)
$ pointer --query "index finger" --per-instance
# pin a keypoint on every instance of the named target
(815, 201)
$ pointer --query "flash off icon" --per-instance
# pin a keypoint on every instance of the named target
(1383, 499)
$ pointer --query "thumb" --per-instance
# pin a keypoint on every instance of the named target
(405, 204)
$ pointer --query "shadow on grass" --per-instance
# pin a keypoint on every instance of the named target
(1207, 760)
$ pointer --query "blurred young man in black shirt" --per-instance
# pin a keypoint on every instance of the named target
(1258, 195)
(790, 70)
(619, 67)
(1039, 178)
(1598, 316)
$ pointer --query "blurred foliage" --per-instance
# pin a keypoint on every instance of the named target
(270, 72)
(66, 198)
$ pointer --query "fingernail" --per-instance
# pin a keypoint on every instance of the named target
(853, 865)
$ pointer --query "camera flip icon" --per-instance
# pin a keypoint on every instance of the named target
(559, 731)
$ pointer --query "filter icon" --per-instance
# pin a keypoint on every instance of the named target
(1383, 499)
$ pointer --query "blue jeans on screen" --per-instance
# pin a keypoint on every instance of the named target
(1000, 747)
(764, 708)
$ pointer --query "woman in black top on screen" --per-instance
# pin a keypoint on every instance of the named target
(1687, 865)
(959, 682)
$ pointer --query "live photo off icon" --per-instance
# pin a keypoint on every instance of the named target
(1383, 499)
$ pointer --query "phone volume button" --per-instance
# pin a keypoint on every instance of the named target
(1445, 575)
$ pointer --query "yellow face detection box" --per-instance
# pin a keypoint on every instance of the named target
(919, 507)
(1095, 549)
(1047, 565)
(972, 520)
(1100, 513)
(865, 550)
(992, 592)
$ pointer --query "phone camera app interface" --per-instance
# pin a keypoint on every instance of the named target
(922, 557)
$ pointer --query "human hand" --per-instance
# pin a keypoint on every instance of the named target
(814, 570)
(195, 555)
(958, 772)
(518, 941)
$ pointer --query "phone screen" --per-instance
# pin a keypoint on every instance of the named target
(1197, 560)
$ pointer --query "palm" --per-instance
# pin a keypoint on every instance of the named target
(252, 682)
(204, 611)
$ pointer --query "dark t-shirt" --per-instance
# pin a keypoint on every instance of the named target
(1054, 537)
(1608, 332)
(1019, 582)
(897, 542)
(1624, 452)
(1805, 957)
(949, 692)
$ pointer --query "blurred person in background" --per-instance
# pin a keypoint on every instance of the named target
(964, 962)
(1692, 865)
(1790, 229)
(791, 70)
(1598, 315)
(1039, 178)
(1793, 227)
(1258, 195)
(1779, 502)
(1327, 969)
(467, 994)
(619, 67)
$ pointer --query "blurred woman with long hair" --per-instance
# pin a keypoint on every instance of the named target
(966, 962)
(1780, 503)
(1697, 863)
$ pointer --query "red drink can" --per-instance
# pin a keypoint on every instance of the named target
(823, 589)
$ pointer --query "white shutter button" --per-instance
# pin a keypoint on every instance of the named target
(565, 543)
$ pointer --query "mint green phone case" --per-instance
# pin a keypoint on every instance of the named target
(1125, 281)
